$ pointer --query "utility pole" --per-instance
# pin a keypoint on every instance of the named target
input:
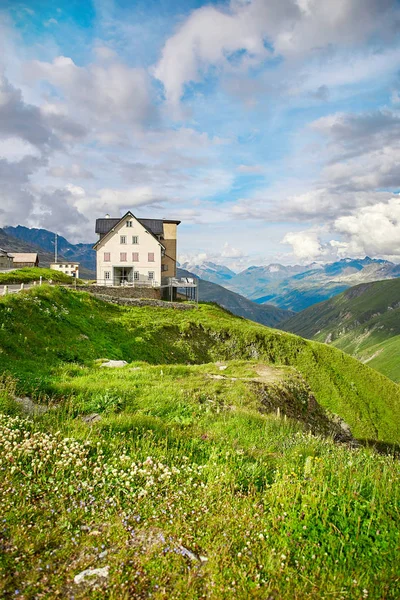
(55, 249)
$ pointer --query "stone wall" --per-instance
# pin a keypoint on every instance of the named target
(146, 302)
(122, 291)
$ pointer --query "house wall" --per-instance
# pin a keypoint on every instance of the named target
(111, 243)
(22, 265)
(6, 262)
(67, 268)
(170, 243)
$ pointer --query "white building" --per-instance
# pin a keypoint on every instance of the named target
(69, 268)
(131, 250)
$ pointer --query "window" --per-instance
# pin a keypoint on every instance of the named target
(129, 223)
(122, 257)
(107, 275)
(151, 257)
(136, 275)
(135, 256)
(164, 268)
(122, 239)
(135, 239)
(107, 256)
(151, 275)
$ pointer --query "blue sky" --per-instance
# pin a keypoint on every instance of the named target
(269, 127)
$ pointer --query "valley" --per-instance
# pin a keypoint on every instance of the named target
(363, 321)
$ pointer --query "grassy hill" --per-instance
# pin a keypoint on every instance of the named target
(363, 321)
(267, 314)
(125, 473)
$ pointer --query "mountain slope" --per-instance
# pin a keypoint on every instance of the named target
(238, 305)
(43, 238)
(13, 244)
(209, 271)
(363, 321)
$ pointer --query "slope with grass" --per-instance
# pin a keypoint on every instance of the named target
(175, 476)
(30, 274)
(363, 321)
(267, 314)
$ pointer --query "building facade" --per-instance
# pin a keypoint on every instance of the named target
(71, 269)
(6, 260)
(135, 251)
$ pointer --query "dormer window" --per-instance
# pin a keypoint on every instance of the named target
(129, 223)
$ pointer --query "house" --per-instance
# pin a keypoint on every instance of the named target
(70, 268)
(6, 260)
(135, 251)
(25, 259)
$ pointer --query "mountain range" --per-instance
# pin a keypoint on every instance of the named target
(297, 287)
(363, 321)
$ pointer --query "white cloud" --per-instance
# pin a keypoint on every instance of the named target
(373, 230)
(102, 92)
(233, 37)
(306, 245)
(229, 251)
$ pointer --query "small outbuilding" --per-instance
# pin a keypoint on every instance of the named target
(25, 259)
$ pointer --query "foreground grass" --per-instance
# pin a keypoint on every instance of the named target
(187, 486)
(183, 517)
(29, 274)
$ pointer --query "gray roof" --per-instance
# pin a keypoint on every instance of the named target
(105, 225)
(155, 226)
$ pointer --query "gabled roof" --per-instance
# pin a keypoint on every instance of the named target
(116, 222)
(4, 253)
(24, 256)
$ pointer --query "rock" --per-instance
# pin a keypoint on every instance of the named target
(112, 364)
(91, 576)
(30, 407)
(92, 418)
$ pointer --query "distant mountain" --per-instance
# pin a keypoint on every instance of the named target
(210, 271)
(363, 321)
(211, 292)
(12, 244)
(296, 288)
(43, 238)
(17, 244)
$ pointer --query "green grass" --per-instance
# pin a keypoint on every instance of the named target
(29, 274)
(363, 321)
(189, 486)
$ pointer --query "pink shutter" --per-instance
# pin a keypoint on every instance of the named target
(135, 256)
(123, 257)
(151, 256)
(107, 257)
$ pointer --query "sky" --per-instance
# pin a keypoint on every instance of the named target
(270, 128)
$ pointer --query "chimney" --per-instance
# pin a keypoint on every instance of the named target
(107, 216)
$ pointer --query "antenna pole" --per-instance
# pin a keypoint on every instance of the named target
(55, 249)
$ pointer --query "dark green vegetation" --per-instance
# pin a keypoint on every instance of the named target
(190, 485)
(29, 274)
(267, 314)
(363, 321)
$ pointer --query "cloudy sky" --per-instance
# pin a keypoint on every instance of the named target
(271, 128)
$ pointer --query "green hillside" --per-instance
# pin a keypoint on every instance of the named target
(363, 321)
(204, 468)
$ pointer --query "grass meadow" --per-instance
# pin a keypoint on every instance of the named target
(176, 475)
